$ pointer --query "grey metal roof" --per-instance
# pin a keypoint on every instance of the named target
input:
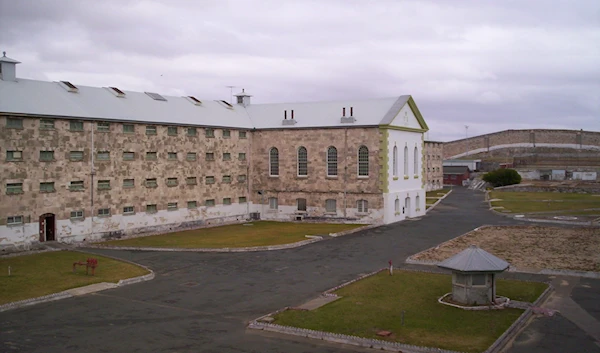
(33, 97)
(474, 259)
(6, 59)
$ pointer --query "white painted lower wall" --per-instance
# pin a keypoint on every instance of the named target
(25, 235)
(289, 213)
(395, 212)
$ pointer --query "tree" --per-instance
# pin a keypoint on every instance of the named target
(502, 177)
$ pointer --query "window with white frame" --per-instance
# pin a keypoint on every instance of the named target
(330, 205)
(397, 206)
(172, 206)
(273, 203)
(418, 201)
(127, 210)
(395, 161)
(151, 208)
(332, 161)
(405, 160)
(301, 204)
(416, 161)
(14, 220)
(302, 161)
(77, 214)
(363, 161)
(362, 206)
(273, 162)
(103, 212)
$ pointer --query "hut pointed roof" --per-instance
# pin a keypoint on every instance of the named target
(474, 259)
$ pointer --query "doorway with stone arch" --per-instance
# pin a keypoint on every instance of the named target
(47, 227)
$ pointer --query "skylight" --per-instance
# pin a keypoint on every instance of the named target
(196, 100)
(118, 91)
(226, 103)
(156, 96)
(69, 86)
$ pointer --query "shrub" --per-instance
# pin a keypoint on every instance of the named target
(502, 177)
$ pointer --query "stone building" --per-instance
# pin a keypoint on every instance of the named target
(82, 163)
(434, 174)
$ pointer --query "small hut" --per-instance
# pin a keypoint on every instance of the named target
(474, 275)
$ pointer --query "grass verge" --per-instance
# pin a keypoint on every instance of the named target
(437, 193)
(51, 272)
(526, 202)
(376, 303)
(235, 236)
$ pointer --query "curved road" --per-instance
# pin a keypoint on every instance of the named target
(201, 302)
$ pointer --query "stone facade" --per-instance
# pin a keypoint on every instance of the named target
(51, 152)
(434, 173)
(573, 139)
(316, 187)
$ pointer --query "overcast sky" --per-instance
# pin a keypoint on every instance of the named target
(491, 65)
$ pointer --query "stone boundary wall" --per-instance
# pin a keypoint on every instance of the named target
(574, 139)
(582, 188)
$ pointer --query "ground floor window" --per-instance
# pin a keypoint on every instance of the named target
(362, 205)
(397, 206)
(301, 204)
(273, 203)
(330, 205)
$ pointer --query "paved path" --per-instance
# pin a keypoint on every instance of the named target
(201, 302)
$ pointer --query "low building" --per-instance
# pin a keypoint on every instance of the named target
(454, 175)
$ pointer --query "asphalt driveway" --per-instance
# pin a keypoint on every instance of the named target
(201, 302)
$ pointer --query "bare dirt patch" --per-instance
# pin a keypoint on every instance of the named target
(529, 247)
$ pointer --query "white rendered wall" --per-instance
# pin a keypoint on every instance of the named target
(403, 185)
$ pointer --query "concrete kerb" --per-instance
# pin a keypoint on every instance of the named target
(68, 293)
(537, 220)
(438, 201)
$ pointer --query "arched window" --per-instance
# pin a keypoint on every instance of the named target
(397, 206)
(416, 162)
(273, 162)
(395, 162)
(363, 161)
(332, 161)
(418, 201)
(302, 161)
(405, 161)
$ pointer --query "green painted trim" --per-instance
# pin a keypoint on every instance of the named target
(406, 177)
(417, 113)
(384, 160)
(395, 178)
(402, 128)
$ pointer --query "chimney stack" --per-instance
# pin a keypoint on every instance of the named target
(8, 70)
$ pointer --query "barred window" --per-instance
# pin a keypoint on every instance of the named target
(242, 199)
(227, 179)
(103, 184)
(103, 156)
(191, 131)
(226, 134)
(128, 128)
(127, 210)
(76, 125)
(227, 201)
(76, 185)
(13, 220)
(226, 156)
(103, 212)
(209, 203)
(395, 161)
(242, 134)
(47, 187)
(151, 183)
(152, 156)
(330, 205)
(302, 161)
(210, 180)
(273, 203)
(172, 182)
(362, 205)
(103, 127)
(150, 130)
(242, 156)
(77, 214)
(46, 156)
(191, 156)
(191, 181)
(363, 161)
(128, 183)
(172, 156)
(192, 204)
(332, 162)
(46, 124)
(301, 204)
(209, 133)
(128, 156)
(172, 130)
(14, 155)
(274, 162)
(14, 123)
(151, 208)
(172, 206)
(242, 178)
(210, 156)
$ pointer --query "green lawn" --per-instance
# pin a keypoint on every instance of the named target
(51, 272)
(437, 193)
(526, 202)
(376, 303)
(236, 236)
